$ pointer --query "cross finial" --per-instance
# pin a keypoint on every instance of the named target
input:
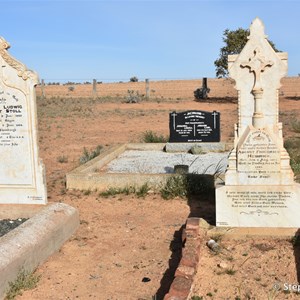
(257, 64)
(257, 28)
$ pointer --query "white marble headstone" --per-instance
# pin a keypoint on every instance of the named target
(259, 188)
(22, 176)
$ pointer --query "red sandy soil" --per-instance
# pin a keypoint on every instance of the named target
(124, 239)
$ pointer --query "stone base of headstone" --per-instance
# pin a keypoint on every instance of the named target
(205, 147)
(258, 206)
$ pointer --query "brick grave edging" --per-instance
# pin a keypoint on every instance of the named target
(184, 276)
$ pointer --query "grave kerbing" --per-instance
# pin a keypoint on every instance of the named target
(22, 175)
(259, 188)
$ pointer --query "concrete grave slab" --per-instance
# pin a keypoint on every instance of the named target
(31, 243)
(93, 174)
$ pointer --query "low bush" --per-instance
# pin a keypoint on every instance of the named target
(186, 184)
(87, 156)
(152, 137)
(140, 192)
(295, 125)
(292, 146)
(25, 281)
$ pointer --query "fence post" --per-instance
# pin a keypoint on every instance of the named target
(94, 88)
(43, 89)
(147, 89)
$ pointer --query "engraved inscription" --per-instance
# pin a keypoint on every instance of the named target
(14, 138)
(258, 201)
(259, 156)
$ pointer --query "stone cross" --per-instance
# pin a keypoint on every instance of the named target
(257, 72)
(257, 64)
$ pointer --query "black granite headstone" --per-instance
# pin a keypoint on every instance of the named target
(194, 126)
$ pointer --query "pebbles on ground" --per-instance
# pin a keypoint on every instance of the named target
(159, 162)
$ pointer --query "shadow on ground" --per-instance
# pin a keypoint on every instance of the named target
(202, 205)
(176, 248)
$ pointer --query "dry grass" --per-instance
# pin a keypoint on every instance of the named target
(167, 89)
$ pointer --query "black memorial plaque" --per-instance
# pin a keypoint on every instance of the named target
(194, 126)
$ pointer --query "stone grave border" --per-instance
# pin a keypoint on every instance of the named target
(31, 243)
(87, 176)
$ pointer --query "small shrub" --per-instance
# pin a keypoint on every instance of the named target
(25, 281)
(293, 148)
(295, 125)
(295, 240)
(71, 88)
(175, 186)
(292, 143)
(62, 159)
(87, 192)
(140, 192)
(110, 192)
(201, 93)
(127, 190)
(295, 164)
(230, 271)
(87, 156)
(134, 79)
(186, 184)
(132, 96)
(152, 137)
(143, 190)
(197, 298)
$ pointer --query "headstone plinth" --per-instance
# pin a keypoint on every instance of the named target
(259, 189)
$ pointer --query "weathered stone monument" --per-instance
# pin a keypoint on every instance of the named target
(259, 188)
(22, 179)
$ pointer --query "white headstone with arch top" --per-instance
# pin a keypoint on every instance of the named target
(22, 176)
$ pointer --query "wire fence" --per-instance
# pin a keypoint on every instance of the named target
(150, 88)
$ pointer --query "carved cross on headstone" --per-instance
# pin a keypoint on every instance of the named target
(257, 64)
(214, 114)
(174, 121)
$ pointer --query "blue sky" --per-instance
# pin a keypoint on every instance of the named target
(115, 40)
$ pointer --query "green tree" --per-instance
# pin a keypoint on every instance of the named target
(134, 79)
(234, 40)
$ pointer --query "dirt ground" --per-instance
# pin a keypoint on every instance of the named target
(252, 268)
(128, 247)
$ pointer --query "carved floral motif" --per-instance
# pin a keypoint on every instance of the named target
(23, 72)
